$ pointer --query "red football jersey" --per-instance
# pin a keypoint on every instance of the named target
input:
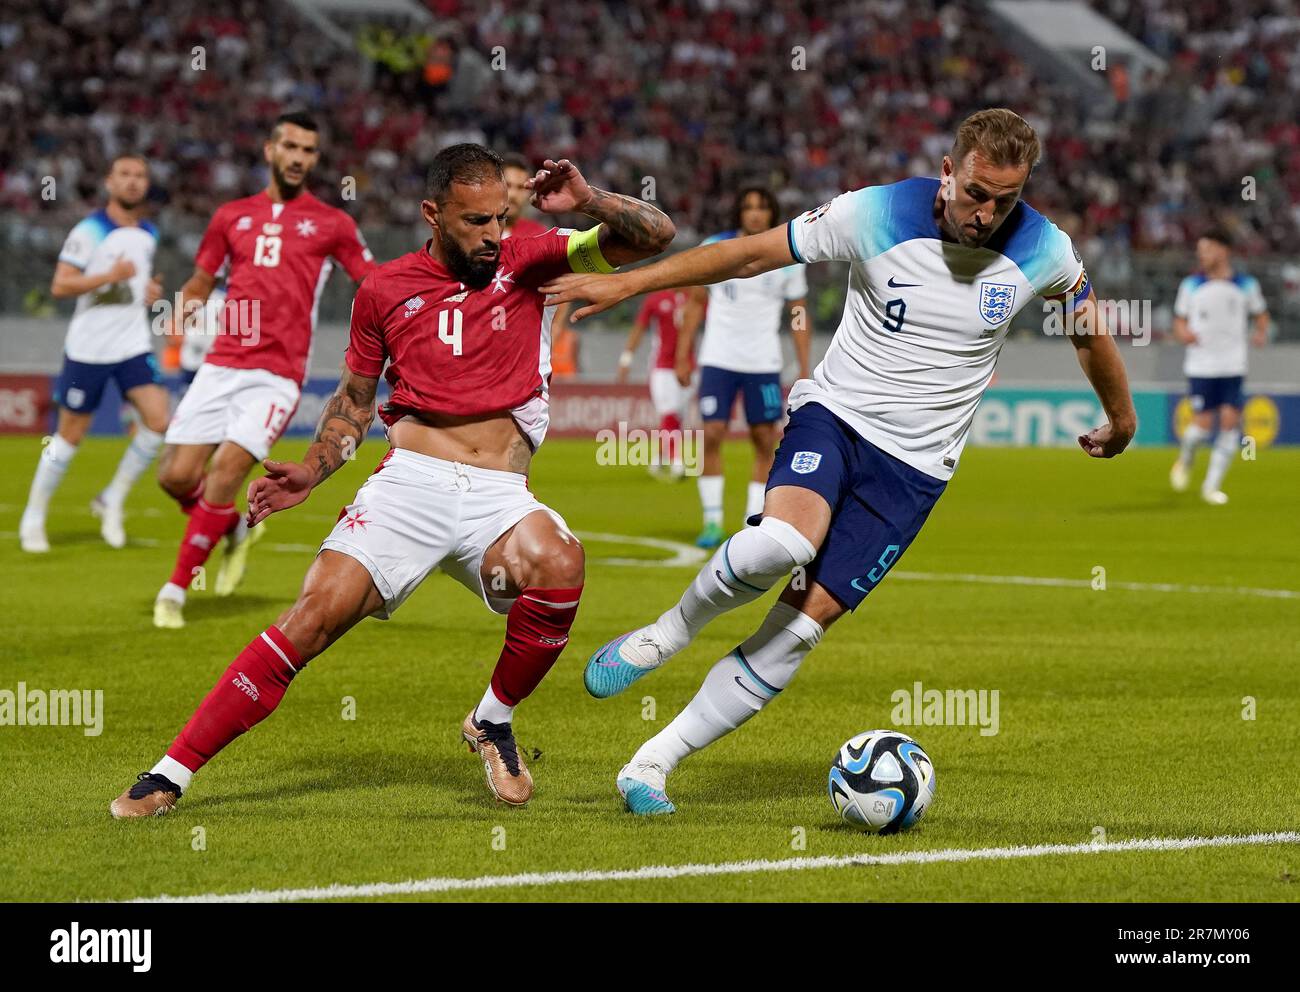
(279, 256)
(662, 310)
(524, 228)
(460, 351)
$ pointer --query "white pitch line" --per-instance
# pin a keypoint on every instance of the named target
(656, 872)
(689, 556)
(1037, 580)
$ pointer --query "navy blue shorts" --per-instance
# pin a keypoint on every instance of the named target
(762, 392)
(80, 386)
(1212, 393)
(878, 503)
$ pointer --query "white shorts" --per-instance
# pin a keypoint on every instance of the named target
(417, 513)
(668, 395)
(250, 407)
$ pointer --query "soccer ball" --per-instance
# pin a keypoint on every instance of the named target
(881, 782)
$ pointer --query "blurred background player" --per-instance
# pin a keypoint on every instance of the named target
(670, 397)
(741, 354)
(278, 244)
(467, 414)
(105, 263)
(1213, 314)
(200, 334)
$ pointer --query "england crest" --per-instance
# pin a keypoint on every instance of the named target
(805, 461)
(996, 301)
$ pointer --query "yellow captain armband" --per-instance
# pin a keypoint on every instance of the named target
(584, 252)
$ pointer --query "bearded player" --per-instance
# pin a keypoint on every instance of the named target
(461, 327)
(939, 267)
(278, 245)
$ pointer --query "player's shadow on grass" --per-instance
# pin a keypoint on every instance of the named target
(203, 606)
(429, 780)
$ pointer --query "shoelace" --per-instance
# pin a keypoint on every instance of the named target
(499, 735)
(147, 783)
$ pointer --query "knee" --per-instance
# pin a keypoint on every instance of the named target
(175, 481)
(309, 626)
(562, 564)
(790, 540)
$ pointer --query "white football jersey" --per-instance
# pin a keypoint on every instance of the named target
(1218, 311)
(201, 334)
(924, 318)
(111, 323)
(742, 326)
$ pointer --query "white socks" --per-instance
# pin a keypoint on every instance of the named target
(174, 771)
(1193, 436)
(492, 709)
(50, 469)
(1226, 446)
(736, 687)
(747, 565)
(171, 590)
(754, 498)
(139, 453)
(710, 487)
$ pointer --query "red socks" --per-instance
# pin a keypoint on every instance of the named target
(537, 629)
(191, 499)
(208, 525)
(244, 696)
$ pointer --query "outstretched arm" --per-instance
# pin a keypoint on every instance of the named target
(343, 425)
(1100, 360)
(735, 258)
(631, 229)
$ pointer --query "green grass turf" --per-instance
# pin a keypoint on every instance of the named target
(1119, 709)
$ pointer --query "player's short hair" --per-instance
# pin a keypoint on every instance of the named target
(767, 196)
(463, 163)
(1219, 234)
(298, 118)
(1000, 135)
(128, 156)
(514, 160)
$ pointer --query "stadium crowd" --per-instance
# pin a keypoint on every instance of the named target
(695, 97)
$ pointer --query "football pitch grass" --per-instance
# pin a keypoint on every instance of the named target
(1164, 706)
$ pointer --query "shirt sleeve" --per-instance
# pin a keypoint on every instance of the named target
(351, 250)
(1255, 304)
(214, 249)
(1183, 301)
(557, 251)
(834, 231)
(1065, 278)
(77, 247)
(366, 353)
(796, 282)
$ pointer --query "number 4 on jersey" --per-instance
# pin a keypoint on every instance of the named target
(449, 329)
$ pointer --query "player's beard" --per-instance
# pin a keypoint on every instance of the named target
(287, 187)
(473, 272)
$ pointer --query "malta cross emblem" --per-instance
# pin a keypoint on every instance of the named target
(355, 518)
(306, 227)
(499, 281)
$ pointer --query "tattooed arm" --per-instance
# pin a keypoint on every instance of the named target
(343, 425)
(631, 229)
